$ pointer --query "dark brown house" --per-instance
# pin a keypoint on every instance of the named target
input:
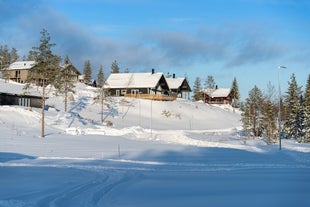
(140, 85)
(217, 96)
(179, 86)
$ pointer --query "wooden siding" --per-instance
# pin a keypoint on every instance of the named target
(156, 97)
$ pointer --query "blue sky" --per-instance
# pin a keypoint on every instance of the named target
(246, 39)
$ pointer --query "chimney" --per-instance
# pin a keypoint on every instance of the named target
(173, 75)
(153, 70)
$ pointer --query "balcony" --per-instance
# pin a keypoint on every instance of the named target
(155, 97)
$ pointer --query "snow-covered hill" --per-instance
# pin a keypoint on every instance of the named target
(177, 153)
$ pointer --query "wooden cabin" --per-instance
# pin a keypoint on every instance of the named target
(19, 71)
(140, 85)
(179, 86)
(217, 96)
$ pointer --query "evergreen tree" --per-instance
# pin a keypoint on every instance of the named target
(251, 117)
(210, 83)
(100, 77)
(197, 90)
(293, 106)
(87, 72)
(115, 67)
(5, 60)
(269, 114)
(246, 119)
(5, 56)
(46, 68)
(31, 55)
(306, 121)
(234, 94)
(13, 55)
(66, 80)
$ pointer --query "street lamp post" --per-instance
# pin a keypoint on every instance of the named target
(279, 114)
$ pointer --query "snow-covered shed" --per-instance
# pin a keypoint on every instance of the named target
(12, 93)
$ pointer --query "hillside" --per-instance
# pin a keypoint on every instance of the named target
(177, 153)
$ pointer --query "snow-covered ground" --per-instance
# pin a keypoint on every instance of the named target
(156, 154)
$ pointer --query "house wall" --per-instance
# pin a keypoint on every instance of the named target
(123, 91)
(218, 100)
(27, 101)
(19, 76)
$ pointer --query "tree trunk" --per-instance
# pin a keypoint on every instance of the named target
(43, 106)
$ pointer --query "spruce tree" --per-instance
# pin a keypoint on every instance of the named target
(269, 124)
(115, 67)
(251, 117)
(234, 94)
(306, 121)
(13, 55)
(46, 68)
(210, 83)
(87, 72)
(197, 90)
(100, 77)
(293, 106)
(5, 60)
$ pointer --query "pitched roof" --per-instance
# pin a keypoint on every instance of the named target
(21, 65)
(215, 93)
(133, 80)
(175, 83)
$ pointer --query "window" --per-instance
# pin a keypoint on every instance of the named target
(135, 91)
(123, 92)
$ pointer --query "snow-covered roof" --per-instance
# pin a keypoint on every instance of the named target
(175, 83)
(21, 65)
(133, 80)
(220, 92)
(12, 87)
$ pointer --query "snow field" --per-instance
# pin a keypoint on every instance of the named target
(155, 154)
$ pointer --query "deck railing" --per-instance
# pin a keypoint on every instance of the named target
(156, 97)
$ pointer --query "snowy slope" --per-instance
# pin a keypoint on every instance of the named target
(156, 154)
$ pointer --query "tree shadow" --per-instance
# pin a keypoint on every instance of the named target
(9, 156)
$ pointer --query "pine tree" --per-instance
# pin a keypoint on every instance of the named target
(251, 117)
(234, 94)
(100, 77)
(87, 71)
(66, 80)
(210, 83)
(13, 55)
(197, 90)
(5, 60)
(104, 99)
(306, 121)
(31, 55)
(115, 67)
(293, 106)
(46, 68)
(269, 115)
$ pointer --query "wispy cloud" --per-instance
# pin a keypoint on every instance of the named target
(138, 48)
